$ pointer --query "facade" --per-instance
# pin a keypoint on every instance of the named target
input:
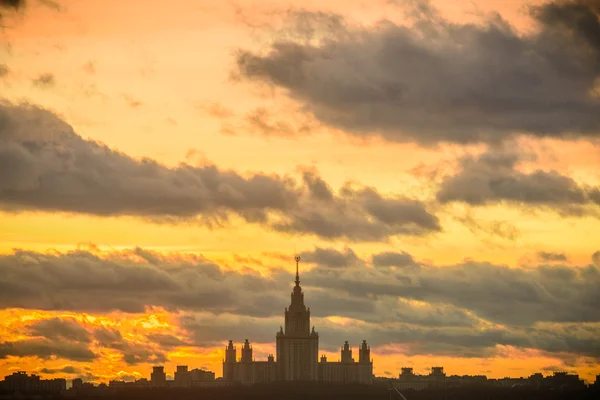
(297, 351)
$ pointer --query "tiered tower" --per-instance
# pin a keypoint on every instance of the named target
(364, 353)
(229, 364)
(297, 346)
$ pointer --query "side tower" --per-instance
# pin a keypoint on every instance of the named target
(297, 345)
(365, 364)
(230, 362)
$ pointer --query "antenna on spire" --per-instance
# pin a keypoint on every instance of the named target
(297, 258)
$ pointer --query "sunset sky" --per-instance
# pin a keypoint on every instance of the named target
(435, 164)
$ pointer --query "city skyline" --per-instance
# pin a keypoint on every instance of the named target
(434, 164)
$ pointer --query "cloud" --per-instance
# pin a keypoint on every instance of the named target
(465, 309)
(60, 329)
(45, 349)
(67, 369)
(50, 168)
(438, 81)
(358, 213)
(493, 177)
(131, 280)
(44, 80)
(391, 259)
(329, 257)
(4, 70)
(82, 281)
(551, 256)
(132, 352)
(513, 296)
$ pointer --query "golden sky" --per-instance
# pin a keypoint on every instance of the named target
(435, 164)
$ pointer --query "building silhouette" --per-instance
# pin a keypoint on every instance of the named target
(158, 377)
(297, 351)
(20, 381)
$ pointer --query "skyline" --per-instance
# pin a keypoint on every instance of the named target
(434, 165)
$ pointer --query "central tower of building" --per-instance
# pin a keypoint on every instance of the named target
(297, 345)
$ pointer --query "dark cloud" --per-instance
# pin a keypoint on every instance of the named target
(67, 369)
(55, 337)
(465, 340)
(12, 3)
(360, 214)
(4, 70)
(391, 259)
(551, 256)
(438, 81)
(50, 168)
(332, 258)
(45, 349)
(513, 296)
(60, 329)
(82, 281)
(464, 309)
(44, 80)
(493, 177)
(132, 352)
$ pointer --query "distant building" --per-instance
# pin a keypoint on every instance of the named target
(182, 377)
(77, 384)
(200, 375)
(409, 380)
(456, 381)
(158, 378)
(563, 380)
(348, 370)
(297, 350)
(24, 383)
(247, 371)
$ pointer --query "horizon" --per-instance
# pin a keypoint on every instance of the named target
(434, 165)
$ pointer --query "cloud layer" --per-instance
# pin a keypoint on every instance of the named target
(441, 81)
(467, 308)
(50, 168)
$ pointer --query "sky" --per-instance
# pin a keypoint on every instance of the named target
(435, 164)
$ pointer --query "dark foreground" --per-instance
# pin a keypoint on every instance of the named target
(315, 392)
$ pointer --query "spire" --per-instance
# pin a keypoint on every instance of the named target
(297, 258)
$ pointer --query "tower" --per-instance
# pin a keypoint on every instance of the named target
(297, 346)
(364, 354)
(246, 352)
(229, 363)
(347, 354)
(365, 365)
